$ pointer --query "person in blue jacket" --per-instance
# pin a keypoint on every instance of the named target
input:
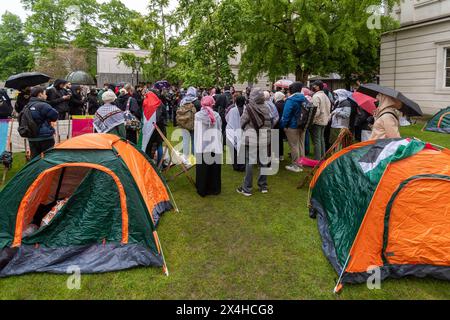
(295, 136)
(43, 114)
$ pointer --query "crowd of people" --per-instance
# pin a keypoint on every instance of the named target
(245, 121)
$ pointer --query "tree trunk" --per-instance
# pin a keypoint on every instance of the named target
(301, 75)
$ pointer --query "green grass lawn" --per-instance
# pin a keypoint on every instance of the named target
(231, 247)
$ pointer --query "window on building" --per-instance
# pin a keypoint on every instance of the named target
(447, 68)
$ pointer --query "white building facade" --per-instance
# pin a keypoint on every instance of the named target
(415, 59)
(111, 70)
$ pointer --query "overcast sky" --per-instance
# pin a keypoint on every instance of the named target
(15, 6)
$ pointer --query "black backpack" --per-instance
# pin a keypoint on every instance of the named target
(28, 128)
(306, 117)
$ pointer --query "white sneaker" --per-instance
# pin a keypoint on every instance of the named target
(294, 168)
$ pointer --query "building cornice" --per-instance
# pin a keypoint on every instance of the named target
(423, 23)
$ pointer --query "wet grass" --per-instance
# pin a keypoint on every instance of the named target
(231, 247)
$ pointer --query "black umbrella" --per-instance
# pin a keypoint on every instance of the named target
(27, 79)
(409, 107)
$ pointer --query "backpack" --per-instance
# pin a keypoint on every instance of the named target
(186, 116)
(28, 128)
(131, 122)
(307, 114)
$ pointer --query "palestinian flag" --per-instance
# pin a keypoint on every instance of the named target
(150, 107)
(375, 161)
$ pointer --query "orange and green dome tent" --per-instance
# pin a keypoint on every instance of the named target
(113, 197)
(385, 204)
(440, 122)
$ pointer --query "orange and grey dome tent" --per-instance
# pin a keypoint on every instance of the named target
(385, 204)
(113, 200)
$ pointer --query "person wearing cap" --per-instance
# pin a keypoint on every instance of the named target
(323, 104)
(58, 98)
(109, 118)
(43, 115)
(208, 143)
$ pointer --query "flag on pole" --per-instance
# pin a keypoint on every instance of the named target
(150, 107)
(4, 126)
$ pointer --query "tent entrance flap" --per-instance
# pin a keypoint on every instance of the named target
(56, 185)
(60, 183)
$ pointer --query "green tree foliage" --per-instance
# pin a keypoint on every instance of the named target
(210, 41)
(151, 32)
(15, 54)
(86, 32)
(116, 22)
(309, 36)
(46, 24)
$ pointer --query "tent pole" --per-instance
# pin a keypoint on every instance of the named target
(165, 269)
(338, 287)
(57, 132)
(69, 127)
(173, 199)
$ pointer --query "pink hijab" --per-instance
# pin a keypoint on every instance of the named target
(208, 103)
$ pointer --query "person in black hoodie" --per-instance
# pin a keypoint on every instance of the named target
(22, 99)
(76, 102)
(58, 98)
(221, 107)
(127, 101)
(92, 101)
(363, 123)
(6, 108)
(43, 114)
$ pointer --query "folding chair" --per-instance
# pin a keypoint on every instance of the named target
(344, 140)
(172, 164)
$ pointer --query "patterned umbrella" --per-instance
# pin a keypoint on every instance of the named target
(283, 83)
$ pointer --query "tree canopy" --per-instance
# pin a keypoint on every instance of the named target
(309, 37)
(15, 54)
(195, 43)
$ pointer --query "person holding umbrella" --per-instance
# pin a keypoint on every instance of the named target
(22, 99)
(23, 82)
(387, 115)
(365, 107)
(387, 118)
